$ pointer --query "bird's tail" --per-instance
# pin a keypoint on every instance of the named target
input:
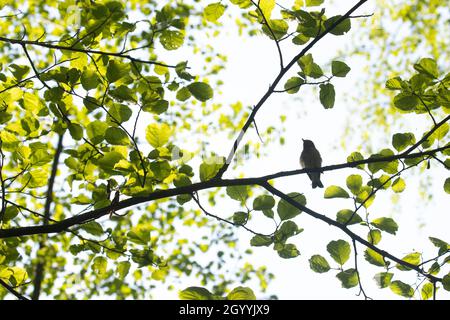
(317, 183)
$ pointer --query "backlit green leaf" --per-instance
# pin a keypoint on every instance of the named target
(339, 251)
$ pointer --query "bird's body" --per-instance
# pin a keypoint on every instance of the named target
(310, 158)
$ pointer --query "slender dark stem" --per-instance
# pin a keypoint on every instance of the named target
(12, 290)
(59, 47)
(197, 200)
(280, 54)
(272, 87)
(40, 267)
(425, 137)
(361, 289)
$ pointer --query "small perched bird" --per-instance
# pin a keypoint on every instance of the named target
(310, 158)
(114, 203)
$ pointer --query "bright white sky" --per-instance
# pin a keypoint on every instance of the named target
(251, 67)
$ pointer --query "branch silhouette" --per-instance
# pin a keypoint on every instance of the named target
(86, 51)
(350, 233)
(273, 86)
(213, 183)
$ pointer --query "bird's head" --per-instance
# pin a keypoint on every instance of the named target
(307, 143)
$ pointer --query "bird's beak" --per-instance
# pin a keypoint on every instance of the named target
(303, 140)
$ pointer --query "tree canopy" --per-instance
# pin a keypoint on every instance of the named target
(113, 184)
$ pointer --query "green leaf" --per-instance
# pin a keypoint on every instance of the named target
(259, 240)
(10, 213)
(427, 291)
(238, 193)
(119, 113)
(356, 156)
(183, 198)
(19, 72)
(293, 84)
(122, 269)
(341, 28)
(18, 276)
(339, 69)
(266, 7)
(434, 269)
(447, 185)
(268, 213)
(354, 183)
(241, 293)
(374, 258)
(288, 251)
(382, 182)
(428, 67)
(335, 192)
(398, 185)
(308, 3)
(213, 11)
(40, 154)
(123, 93)
(183, 94)
(327, 95)
(116, 136)
(402, 289)
(139, 236)
(394, 83)
(210, 167)
(195, 293)
(93, 228)
(406, 101)
(446, 281)
(383, 279)
(109, 159)
(441, 244)
(116, 70)
(348, 278)
(339, 251)
(89, 79)
(161, 169)
(278, 27)
(286, 210)
(36, 178)
(96, 131)
(201, 91)
(387, 166)
(100, 265)
(412, 258)
(319, 264)
(263, 202)
(300, 39)
(385, 224)
(243, 4)
(158, 134)
(288, 229)
(240, 217)
(401, 140)
(374, 236)
(309, 67)
(76, 131)
(171, 39)
(343, 216)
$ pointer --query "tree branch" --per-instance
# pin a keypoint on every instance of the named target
(12, 290)
(97, 213)
(59, 47)
(39, 273)
(350, 233)
(272, 87)
(280, 54)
